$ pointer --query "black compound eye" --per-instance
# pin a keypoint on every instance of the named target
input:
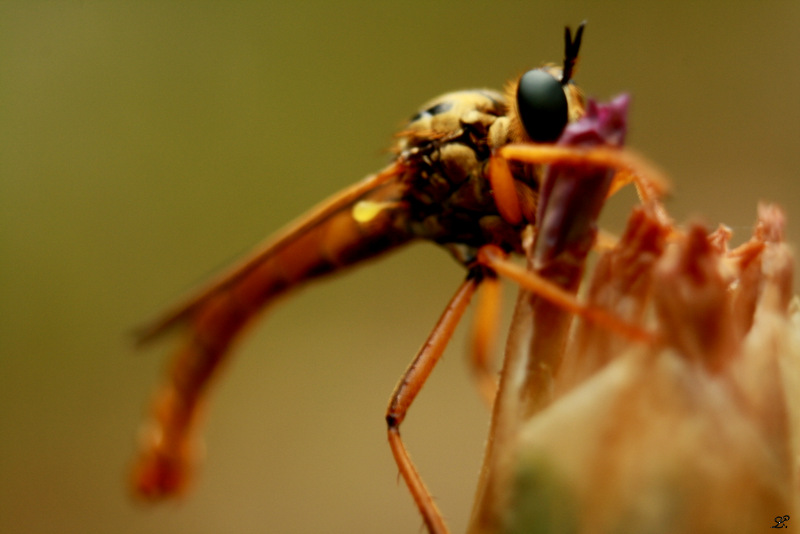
(542, 104)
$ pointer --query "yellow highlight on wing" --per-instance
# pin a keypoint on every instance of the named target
(366, 210)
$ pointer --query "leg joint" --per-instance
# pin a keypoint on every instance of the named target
(392, 421)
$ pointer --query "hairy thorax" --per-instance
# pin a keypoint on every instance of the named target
(447, 146)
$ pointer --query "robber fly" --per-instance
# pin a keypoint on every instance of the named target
(449, 183)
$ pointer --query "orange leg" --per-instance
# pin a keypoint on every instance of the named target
(496, 260)
(484, 335)
(406, 391)
(651, 183)
(505, 193)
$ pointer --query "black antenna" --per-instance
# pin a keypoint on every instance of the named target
(571, 49)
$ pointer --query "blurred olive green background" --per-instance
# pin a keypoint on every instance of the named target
(145, 144)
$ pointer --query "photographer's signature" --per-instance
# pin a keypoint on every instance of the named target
(780, 522)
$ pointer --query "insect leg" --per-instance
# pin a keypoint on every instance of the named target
(651, 183)
(505, 194)
(496, 260)
(484, 335)
(406, 391)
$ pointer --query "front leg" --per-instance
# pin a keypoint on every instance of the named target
(406, 391)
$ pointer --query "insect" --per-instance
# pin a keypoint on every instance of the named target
(451, 183)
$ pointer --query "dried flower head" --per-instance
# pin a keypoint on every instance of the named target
(695, 432)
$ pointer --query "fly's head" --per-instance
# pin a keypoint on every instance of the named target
(543, 101)
(536, 108)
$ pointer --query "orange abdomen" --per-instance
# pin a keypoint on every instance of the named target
(326, 242)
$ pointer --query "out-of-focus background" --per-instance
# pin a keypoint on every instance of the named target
(143, 145)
